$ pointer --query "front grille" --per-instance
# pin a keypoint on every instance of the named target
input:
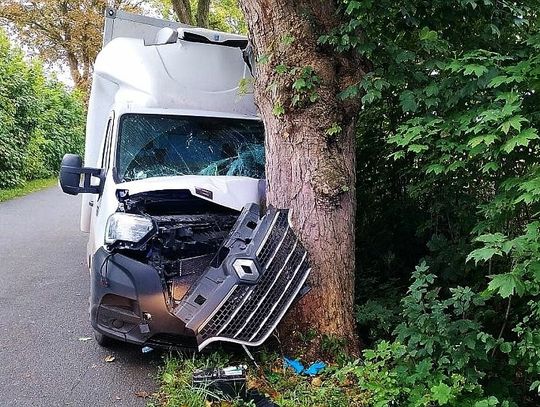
(250, 313)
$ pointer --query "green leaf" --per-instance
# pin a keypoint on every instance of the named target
(486, 139)
(491, 238)
(513, 122)
(441, 393)
(349, 92)
(417, 148)
(506, 285)
(299, 84)
(522, 139)
(491, 401)
(428, 35)
(408, 101)
(506, 347)
(278, 110)
(432, 90)
(475, 69)
(353, 5)
(435, 169)
(490, 167)
(498, 81)
(483, 254)
(282, 68)
(167, 378)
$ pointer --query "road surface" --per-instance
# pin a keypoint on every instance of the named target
(44, 288)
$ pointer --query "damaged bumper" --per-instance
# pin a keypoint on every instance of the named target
(241, 297)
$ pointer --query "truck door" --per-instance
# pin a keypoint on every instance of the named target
(97, 200)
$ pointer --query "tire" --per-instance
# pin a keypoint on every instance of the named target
(103, 340)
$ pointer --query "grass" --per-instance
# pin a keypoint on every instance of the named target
(27, 188)
(177, 390)
(334, 387)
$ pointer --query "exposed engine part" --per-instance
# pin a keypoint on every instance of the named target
(185, 244)
(189, 233)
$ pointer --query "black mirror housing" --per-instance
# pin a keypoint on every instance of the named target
(76, 179)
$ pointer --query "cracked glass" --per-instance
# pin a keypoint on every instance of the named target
(165, 145)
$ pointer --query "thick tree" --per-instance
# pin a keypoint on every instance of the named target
(310, 144)
(184, 13)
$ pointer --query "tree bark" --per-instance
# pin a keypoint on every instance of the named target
(182, 8)
(203, 13)
(310, 147)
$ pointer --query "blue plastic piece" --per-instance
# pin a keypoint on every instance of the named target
(315, 368)
(299, 368)
(294, 364)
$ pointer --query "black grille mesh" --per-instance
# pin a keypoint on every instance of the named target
(251, 312)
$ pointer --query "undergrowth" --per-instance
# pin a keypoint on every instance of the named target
(27, 188)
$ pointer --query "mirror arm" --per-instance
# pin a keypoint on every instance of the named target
(88, 174)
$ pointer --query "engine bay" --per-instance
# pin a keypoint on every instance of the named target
(188, 233)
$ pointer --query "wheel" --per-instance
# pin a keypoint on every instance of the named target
(103, 340)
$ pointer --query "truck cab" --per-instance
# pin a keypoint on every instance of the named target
(180, 251)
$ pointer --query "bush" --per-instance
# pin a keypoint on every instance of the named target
(449, 174)
(40, 120)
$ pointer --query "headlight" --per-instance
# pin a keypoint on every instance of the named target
(127, 227)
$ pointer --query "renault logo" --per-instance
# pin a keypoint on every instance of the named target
(246, 269)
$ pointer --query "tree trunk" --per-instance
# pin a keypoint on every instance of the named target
(203, 12)
(182, 8)
(310, 145)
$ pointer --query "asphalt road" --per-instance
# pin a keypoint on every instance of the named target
(44, 288)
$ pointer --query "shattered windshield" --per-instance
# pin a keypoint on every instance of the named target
(162, 145)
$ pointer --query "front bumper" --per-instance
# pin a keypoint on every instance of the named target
(243, 295)
(127, 303)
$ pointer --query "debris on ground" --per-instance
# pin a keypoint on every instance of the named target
(228, 381)
(85, 339)
(295, 364)
(109, 358)
(142, 394)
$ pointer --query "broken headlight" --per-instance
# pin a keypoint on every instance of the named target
(129, 228)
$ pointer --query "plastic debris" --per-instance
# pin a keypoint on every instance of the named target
(315, 368)
(294, 364)
(110, 359)
(147, 349)
(298, 367)
(85, 339)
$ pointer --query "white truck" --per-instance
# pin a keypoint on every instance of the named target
(179, 252)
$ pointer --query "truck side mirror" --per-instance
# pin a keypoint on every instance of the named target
(76, 179)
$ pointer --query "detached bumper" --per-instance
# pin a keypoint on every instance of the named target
(128, 303)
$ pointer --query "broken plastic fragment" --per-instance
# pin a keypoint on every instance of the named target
(294, 364)
(315, 368)
(147, 349)
(298, 367)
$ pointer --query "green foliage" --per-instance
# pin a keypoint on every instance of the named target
(449, 172)
(304, 87)
(176, 387)
(224, 15)
(29, 187)
(40, 120)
